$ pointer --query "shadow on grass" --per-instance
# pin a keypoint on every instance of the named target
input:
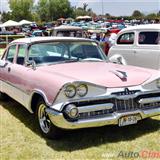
(84, 138)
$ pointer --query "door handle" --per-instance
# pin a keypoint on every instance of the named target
(9, 69)
(134, 51)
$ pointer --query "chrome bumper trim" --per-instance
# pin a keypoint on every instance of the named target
(97, 107)
(58, 119)
(149, 100)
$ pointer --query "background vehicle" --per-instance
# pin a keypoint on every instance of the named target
(67, 31)
(138, 45)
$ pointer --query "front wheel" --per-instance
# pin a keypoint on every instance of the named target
(46, 126)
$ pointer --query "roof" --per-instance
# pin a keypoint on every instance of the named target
(24, 22)
(40, 39)
(65, 27)
(10, 23)
(143, 27)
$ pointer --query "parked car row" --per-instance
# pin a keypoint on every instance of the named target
(68, 83)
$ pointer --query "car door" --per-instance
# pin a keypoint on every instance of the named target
(6, 63)
(124, 49)
(147, 51)
(15, 73)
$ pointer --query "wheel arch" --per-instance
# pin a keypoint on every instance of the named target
(36, 96)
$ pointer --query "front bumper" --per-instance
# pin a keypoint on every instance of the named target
(59, 120)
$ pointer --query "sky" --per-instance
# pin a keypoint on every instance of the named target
(113, 7)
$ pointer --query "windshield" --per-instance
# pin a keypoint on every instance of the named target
(55, 52)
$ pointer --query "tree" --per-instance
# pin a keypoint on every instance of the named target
(151, 16)
(137, 14)
(50, 10)
(5, 16)
(82, 11)
(21, 9)
(85, 5)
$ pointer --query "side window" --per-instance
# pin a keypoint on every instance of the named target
(126, 38)
(21, 54)
(11, 53)
(149, 38)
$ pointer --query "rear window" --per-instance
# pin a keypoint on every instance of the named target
(126, 38)
(149, 38)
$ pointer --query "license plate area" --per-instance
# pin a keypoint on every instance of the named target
(128, 120)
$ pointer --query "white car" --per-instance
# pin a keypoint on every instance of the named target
(138, 46)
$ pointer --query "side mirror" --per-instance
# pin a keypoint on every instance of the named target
(3, 63)
(31, 63)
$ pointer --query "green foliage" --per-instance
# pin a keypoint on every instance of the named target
(50, 10)
(21, 9)
(83, 11)
(151, 16)
(6, 16)
(137, 14)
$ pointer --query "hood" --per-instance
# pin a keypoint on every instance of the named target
(99, 73)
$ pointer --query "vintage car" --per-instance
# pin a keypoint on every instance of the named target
(67, 31)
(138, 46)
(69, 84)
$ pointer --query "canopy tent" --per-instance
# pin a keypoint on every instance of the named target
(84, 17)
(61, 19)
(79, 17)
(69, 19)
(87, 17)
(22, 22)
(10, 23)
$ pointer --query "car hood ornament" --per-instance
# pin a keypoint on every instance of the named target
(122, 75)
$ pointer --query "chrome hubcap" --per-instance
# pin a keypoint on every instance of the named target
(43, 118)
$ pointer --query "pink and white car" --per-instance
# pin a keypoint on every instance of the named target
(68, 84)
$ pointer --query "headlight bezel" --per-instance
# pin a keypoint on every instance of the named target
(85, 89)
(66, 91)
(76, 88)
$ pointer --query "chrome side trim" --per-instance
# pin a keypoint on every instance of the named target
(149, 100)
(97, 107)
(17, 94)
(20, 95)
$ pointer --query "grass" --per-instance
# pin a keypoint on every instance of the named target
(1, 51)
(20, 138)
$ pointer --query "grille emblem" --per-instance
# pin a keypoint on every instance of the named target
(126, 91)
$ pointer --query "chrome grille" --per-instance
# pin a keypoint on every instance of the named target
(125, 105)
(119, 105)
(96, 114)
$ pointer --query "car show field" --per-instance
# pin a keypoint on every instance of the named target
(23, 140)
(1, 51)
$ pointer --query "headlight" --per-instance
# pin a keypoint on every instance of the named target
(158, 83)
(70, 91)
(82, 90)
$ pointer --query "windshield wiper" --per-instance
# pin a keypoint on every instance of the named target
(69, 61)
